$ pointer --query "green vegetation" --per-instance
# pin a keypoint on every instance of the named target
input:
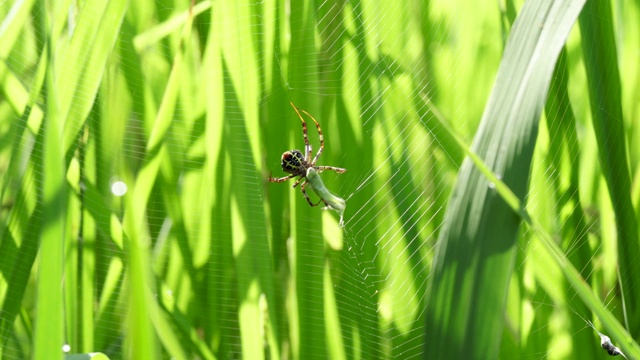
(492, 187)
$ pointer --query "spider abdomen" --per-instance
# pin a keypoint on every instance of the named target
(293, 162)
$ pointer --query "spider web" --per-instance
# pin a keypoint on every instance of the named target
(375, 76)
(397, 185)
(392, 218)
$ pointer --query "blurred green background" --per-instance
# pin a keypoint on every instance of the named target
(493, 180)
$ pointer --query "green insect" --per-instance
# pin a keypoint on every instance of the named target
(304, 167)
(331, 201)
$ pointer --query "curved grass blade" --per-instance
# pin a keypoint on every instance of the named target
(570, 272)
(601, 63)
(476, 248)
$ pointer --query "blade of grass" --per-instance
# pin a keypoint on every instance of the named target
(13, 88)
(152, 36)
(221, 325)
(142, 305)
(107, 311)
(49, 329)
(89, 49)
(18, 97)
(167, 107)
(141, 341)
(307, 267)
(475, 253)
(143, 308)
(12, 24)
(19, 245)
(601, 63)
(253, 262)
(572, 274)
(358, 118)
(563, 157)
(87, 234)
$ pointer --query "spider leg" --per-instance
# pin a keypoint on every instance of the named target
(285, 178)
(319, 135)
(298, 181)
(332, 168)
(304, 192)
(307, 146)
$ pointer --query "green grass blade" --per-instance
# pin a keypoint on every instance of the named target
(18, 97)
(141, 338)
(563, 158)
(144, 310)
(571, 273)
(203, 258)
(49, 329)
(19, 245)
(601, 63)
(307, 267)
(216, 196)
(253, 263)
(152, 36)
(357, 120)
(475, 253)
(12, 24)
(89, 49)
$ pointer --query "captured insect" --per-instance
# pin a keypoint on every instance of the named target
(304, 167)
(605, 343)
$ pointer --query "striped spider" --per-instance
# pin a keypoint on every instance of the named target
(295, 164)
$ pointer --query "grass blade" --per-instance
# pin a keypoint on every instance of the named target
(475, 253)
(49, 329)
(601, 63)
(307, 267)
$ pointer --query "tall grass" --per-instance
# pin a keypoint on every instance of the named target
(491, 185)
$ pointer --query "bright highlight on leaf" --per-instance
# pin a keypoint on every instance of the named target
(119, 188)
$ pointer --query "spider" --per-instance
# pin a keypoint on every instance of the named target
(294, 163)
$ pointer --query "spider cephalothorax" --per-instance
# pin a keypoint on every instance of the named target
(296, 164)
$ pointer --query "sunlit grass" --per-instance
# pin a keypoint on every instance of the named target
(201, 257)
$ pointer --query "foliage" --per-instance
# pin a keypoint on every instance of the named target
(136, 138)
